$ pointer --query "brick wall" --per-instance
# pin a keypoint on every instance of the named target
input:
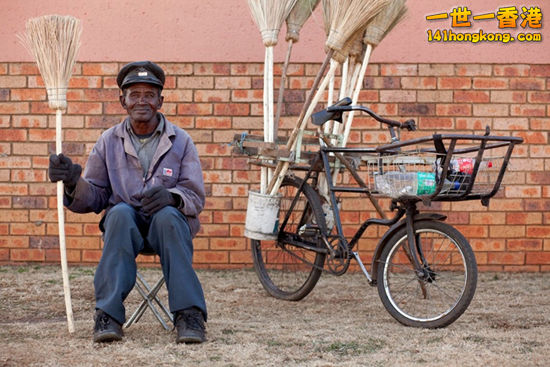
(215, 101)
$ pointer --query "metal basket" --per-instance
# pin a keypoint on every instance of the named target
(440, 167)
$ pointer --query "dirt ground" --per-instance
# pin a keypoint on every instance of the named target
(341, 323)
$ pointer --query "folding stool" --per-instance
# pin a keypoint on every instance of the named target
(150, 299)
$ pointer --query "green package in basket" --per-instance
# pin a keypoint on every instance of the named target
(426, 183)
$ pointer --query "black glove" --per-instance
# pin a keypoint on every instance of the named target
(157, 198)
(63, 169)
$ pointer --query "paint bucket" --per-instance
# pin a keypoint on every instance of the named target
(262, 216)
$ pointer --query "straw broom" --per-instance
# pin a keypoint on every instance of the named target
(376, 30)
(269, 16)
(53, 41)
(294, 23)
(349, 16)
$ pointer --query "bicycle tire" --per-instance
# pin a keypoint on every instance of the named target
(281, 273)
(440, 298)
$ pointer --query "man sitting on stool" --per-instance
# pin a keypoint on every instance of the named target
(146, 174)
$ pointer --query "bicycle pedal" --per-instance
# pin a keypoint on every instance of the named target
(308, 230)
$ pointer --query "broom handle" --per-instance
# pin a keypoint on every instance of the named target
(61, 221)
(315, 100)
(355, 97)
(290, 142)
(282, 90)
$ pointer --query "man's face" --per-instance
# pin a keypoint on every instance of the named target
(142, 101)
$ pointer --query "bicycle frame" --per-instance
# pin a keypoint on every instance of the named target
(408, 210)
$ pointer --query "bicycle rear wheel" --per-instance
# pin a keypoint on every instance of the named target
(288, 270)
(444, 293)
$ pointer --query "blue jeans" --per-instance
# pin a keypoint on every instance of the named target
(126, 233)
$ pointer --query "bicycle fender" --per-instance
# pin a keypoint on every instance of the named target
(390, 232)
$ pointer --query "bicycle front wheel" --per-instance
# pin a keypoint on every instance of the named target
(289, 267)
(439, 296)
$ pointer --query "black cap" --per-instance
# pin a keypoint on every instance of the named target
(140, 72)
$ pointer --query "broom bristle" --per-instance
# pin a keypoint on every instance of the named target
(53, 41)
(348, 17)
(269, 16)
(397, 20)
(297, 17)
(380, 24)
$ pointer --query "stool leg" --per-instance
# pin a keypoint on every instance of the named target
(148, 297)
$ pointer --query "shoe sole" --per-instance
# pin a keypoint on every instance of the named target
(190, 340)
(107, 337)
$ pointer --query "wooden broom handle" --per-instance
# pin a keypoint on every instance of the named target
(61, 222)
(305, 107)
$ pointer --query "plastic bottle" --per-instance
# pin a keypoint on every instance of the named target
(466, 165)
(396, 184)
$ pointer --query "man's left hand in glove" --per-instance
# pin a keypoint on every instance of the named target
(157, 198)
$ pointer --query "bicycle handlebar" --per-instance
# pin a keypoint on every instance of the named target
(335, 111)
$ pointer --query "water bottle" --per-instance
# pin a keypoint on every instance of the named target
(466, 165)
(396, 184)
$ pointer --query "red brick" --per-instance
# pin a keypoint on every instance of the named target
(512, 123)
(492, 109)
(542, 258)
(498, 96)
(457, 82)
(490, 83)
(240, 257)
(27, 255)
(524, 245)
(511, 70)
(85, 82)
(473, 70)
(540, 70)
(211, 257)
(194, 109)
(14, 108)
(453, 109)
(435, 69)
(24, 68)
(508, 258)
(509, 231)
(231, 109)
(397, 96)
(538, 231)
(52, 255)
(538, 97)
(461, 96)
(527, 83)
(13, 81)
(28, 94)
(523, 218)
(91, 256)
(528, 110)
(399, 69)
(488, 245)
(227, 244)
(540, 123)
(100, 69)
(533, 137)
(418, 82)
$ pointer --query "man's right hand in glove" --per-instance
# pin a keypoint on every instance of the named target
(63, 169)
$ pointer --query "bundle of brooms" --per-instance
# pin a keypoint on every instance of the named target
(53, 41)
(269, 16)
(347, 18)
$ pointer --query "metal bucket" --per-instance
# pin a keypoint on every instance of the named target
(262, 216)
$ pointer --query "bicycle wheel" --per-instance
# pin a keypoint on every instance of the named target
(444, 293)
(287, 270)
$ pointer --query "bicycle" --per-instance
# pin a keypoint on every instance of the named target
(424, 269)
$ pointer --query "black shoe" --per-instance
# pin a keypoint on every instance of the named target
(106, 329)
(190, 326)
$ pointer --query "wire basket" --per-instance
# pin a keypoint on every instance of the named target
(440, 167)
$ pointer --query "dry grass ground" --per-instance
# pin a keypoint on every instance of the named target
(342, 323)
